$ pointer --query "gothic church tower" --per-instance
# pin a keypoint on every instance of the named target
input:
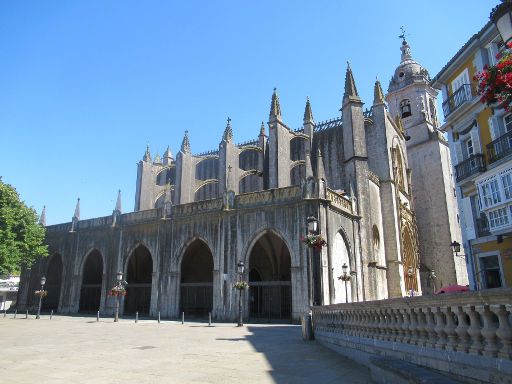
(412, 102)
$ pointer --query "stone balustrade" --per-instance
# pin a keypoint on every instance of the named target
(468, 329)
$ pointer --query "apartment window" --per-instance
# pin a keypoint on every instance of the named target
(498, 218)
(470, 150)
(492, 51)
(405, 108)
(507, 185)
(495, 192)
(490, 271)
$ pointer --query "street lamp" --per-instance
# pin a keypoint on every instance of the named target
(43, 282)
(118, 289)
(501, 16)
(346, 278)
(240, 269)
(312, 226)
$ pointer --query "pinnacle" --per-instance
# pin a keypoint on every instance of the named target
(275, 108)
(378, 94)
(185, 145)
(228, 132)
(350, 85)
(308, 113)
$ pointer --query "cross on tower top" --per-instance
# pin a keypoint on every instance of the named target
(403, 34)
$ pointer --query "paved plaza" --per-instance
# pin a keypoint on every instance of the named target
(81, 350)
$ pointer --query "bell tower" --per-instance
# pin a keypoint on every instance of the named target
(412, 102)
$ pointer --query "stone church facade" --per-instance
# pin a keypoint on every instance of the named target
(197, 216)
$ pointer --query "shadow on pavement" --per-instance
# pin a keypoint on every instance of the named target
(294, 360)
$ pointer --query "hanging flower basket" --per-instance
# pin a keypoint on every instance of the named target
(41, 293)
(241, 285)
(117, 291)
(314, 241)
(495, 82)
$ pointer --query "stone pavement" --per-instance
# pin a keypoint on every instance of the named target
(79, 350)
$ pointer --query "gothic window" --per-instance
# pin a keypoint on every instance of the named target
(376, 238)
(400, 169)
(405, 108)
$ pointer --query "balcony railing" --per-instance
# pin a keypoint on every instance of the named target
(462, 95)
(472, 165)
(482, 226)
(500, 148)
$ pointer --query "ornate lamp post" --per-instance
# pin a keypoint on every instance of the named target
(312, 225)
(240, 270)
(118, 290)
(455, 247)
(432, 276)
(501, 16)
(41, 294)
(346, 278)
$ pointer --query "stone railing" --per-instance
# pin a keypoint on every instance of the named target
(339, 201)
(197, 207)
(141, 216)
(96, 222)
(268, 196)
(64, 227)
(458, 327)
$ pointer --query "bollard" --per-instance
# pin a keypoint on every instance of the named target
(136, 317)
(182, 317)
(209, 319)
(51, 314)
(26, 315)
(15, 313)
(97, 316)
(158, 317)
(5, 312)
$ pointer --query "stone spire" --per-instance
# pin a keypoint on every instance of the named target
(42, 218)
(185, 145)
(77, 210)
(118, 202)
(168, 156)
(275, 108)
(147, 155)
(378, 94)
(320, 171)
(228, 132)
(262, 129)
(308, 114)
(158, 160)
(350, 85)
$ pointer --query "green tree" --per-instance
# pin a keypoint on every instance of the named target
(21, 237)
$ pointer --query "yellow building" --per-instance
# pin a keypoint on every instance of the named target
(480, 139)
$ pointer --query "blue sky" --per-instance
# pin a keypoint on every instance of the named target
(85, 85)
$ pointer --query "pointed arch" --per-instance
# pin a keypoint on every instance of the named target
(138, 272)
(269, 272)
(53, 284)
(196, 285)
(91, 271)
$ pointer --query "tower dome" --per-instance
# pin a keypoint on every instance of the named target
(408, 72)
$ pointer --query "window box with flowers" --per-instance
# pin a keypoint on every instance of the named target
(117, 291)
(41, 293)
(241, 285)
(495, 82)
(314, 241)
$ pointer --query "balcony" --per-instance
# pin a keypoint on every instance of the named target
(472, 165)
(461, 96)
(482, 226)
(500, 148)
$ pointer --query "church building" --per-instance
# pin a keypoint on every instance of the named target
(375, 182)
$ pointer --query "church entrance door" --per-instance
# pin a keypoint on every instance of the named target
(197, 280)
(270, 280)
(139, 278)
